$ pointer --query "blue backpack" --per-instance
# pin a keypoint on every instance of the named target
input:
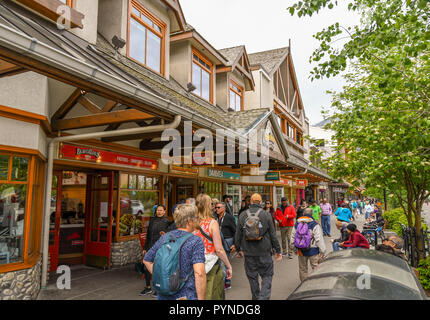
(166, 274)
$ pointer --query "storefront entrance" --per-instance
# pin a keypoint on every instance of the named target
(81, 218)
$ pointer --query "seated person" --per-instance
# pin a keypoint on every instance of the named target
(393, 245)
(356, 239)
(344, 236)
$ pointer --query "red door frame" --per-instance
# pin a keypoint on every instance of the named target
(97, 248)
(55, 248)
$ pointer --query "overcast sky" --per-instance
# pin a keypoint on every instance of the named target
(265, 25)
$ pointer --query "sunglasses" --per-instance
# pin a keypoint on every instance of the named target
(218, 207)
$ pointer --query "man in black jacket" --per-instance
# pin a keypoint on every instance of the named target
(258, 253)
(226, 200)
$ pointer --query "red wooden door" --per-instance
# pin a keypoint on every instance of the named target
(98, 220)
(55, 219)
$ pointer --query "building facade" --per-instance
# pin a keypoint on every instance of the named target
(86, 89)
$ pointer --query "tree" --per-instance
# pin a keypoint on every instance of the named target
(382, 117)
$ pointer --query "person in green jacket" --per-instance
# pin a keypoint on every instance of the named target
(316, 211)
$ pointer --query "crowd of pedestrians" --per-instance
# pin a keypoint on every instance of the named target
(189, 258)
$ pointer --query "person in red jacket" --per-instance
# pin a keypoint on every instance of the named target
(356, 239)
(285, 215)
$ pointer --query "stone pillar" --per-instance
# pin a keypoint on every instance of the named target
(126, 252)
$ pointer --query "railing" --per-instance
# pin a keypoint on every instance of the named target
(410, 238)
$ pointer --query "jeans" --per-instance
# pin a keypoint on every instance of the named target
(263, 267)
(229, 242)
(336, 246)
(325, 221)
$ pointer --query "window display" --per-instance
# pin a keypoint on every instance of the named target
(213, 189)
(13, 195)
(138, 195)
(264, 191)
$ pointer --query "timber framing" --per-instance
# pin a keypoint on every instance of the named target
(83, 84)
(100, 119)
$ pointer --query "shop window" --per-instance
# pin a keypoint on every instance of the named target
(138, 196)
(146, 38)
(264, 191)
(213, 189)
(21, 179)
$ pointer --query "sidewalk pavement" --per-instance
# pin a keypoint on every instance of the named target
(125, 284)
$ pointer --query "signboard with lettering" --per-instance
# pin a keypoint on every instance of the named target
(214, 173)
(90, 154)
(273, 176)
(301, 183)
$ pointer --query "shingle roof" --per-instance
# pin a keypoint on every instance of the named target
(268, 59)
(231, 53)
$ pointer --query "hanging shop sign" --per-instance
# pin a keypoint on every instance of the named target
(273, 176)
(284, 182)
(183, 169)
(203, 158)
(339, 190)
(214, 173)
(68, 151)
(301, 183)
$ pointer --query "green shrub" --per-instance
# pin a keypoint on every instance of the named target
(424, 269)
(394, 218)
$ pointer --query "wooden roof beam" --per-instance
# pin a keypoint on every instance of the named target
(101, 119)
(68, 104)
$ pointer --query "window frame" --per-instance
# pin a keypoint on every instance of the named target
(33, 243)
(235, 84)
(69, 3)
(162, 34)
(194, 51)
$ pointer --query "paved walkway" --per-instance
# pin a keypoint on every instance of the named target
(125, 284)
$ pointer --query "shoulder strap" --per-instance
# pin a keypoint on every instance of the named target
(207, 236)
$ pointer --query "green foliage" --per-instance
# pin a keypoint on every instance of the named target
(424, 270)
(381, 119)
(393, 219)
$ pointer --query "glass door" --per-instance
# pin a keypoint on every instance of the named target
(98, 220)
(55, 219)
(235, 193)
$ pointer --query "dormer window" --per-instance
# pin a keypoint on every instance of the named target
(146, 38)
(202, 76)
(67, 2)
(236, 96)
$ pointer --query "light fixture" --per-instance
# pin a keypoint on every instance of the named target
(191, 87)
(118, 43)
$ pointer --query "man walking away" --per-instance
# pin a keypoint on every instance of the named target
(255, 238)
(326, 212)
(285, 215)
(309, 242)
(368, 210)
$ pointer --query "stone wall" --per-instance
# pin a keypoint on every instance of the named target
(22, 284)
(126, 252)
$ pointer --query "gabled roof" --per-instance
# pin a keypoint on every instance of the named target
(269, 60)
(234, 56)
(176, 7)
(190, 33)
